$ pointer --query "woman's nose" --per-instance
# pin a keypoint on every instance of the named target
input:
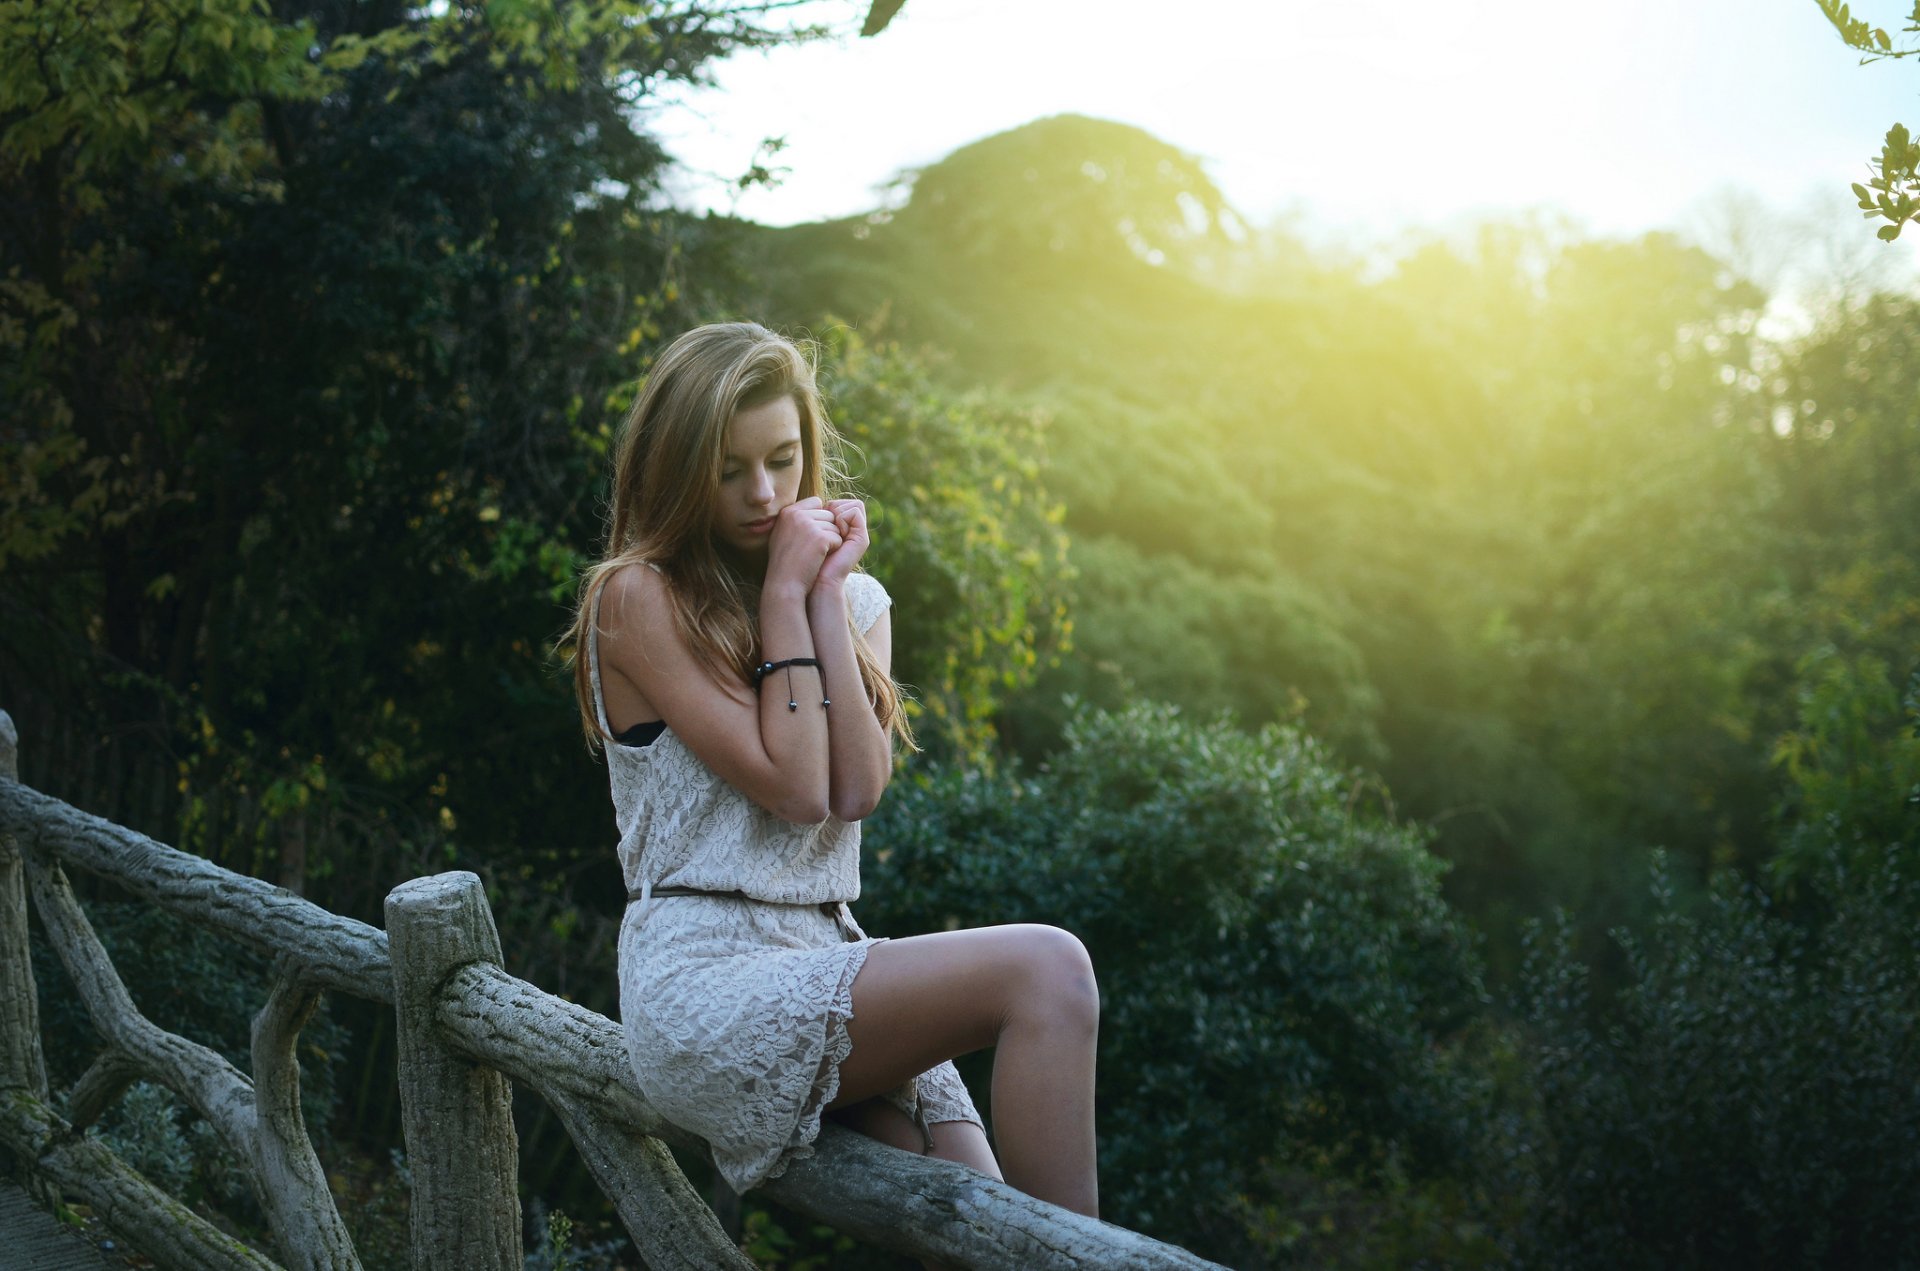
(763, 486)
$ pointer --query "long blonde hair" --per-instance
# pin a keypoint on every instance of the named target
(667, 461)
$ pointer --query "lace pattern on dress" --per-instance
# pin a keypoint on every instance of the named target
(735, 1012)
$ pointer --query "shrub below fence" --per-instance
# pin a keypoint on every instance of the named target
(1751, 1098)
(1280, 977)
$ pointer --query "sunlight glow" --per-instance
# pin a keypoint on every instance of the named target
(1375, 114)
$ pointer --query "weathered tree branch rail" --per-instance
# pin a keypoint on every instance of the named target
(466, 1029)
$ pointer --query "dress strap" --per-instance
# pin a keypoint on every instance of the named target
(593, 665)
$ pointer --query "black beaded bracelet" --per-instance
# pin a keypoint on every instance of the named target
(765, 668)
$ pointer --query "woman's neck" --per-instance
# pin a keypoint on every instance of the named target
(748, 571)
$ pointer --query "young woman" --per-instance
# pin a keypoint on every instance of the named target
(735, 663)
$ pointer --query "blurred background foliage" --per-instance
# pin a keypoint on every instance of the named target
(1340, 648)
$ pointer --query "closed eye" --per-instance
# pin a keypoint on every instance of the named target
(777, 463)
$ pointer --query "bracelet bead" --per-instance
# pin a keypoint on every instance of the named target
(761, 672)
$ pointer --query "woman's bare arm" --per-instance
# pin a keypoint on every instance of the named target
(861, 759)
(774, 756)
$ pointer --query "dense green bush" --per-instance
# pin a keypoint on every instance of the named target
(1748, 1099)
(1277, 967)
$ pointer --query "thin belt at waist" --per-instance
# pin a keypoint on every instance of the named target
(736, 894)
(834, 909)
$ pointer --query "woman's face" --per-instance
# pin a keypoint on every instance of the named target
(760, 474)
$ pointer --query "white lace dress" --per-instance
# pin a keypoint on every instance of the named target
(735, 1011)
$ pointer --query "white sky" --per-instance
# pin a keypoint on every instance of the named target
(1358, 116)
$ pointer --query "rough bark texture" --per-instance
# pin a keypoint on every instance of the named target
(507, 1023)
(217, 1090)
(299, 1203)
(458, 1115)
(105, 1080)
(670, 1225)
(22, 1064)
(285, 1176)
(156, 1224)
(333, 952)
(940, 1210)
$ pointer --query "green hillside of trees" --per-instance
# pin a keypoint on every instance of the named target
(1469, 706)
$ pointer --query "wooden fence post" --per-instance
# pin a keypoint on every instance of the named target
(22, 1065)
(457, 1115)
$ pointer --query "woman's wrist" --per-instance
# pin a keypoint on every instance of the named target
(826, 592)
(784, 591)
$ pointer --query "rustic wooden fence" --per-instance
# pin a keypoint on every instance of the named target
(466, 1030)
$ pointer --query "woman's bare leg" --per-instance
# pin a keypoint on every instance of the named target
(1027, 990)
(962, 1142)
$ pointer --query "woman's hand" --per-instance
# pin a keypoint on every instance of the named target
(850, 520)
(803, 535)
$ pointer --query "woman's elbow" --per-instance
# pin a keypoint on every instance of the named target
(855, 809)
(857, 805)
(801, 810)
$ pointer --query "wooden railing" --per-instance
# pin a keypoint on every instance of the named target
(466, 1030)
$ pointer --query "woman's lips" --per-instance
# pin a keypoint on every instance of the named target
(759, 527)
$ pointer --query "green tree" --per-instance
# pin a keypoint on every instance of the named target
(1498, 516)
(1844, 630)
(1125, 193)
(321, 317)
(967, 537)
(1253, 643)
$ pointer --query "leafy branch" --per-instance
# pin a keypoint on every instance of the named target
(1890, 196)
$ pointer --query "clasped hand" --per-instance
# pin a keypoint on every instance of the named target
(817, 542)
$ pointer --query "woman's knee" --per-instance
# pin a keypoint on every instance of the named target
(1059, 975)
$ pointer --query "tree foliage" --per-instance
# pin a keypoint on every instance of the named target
(1746, 1098)
(1440, 506)
(1278, 970)
(1008, 196)
(1893, 195)
(967, 537)
(320, 368)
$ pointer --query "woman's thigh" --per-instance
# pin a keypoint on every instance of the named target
(924, 999)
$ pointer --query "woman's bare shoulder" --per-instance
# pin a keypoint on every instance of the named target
(632, 592)
(636, 618)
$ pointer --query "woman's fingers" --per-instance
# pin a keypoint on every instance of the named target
(850, 515)
(803, 537)
(814, 520)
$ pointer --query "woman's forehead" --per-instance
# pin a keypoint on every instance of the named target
(762, 429)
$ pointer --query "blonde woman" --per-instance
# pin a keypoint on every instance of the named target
(734, 662)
